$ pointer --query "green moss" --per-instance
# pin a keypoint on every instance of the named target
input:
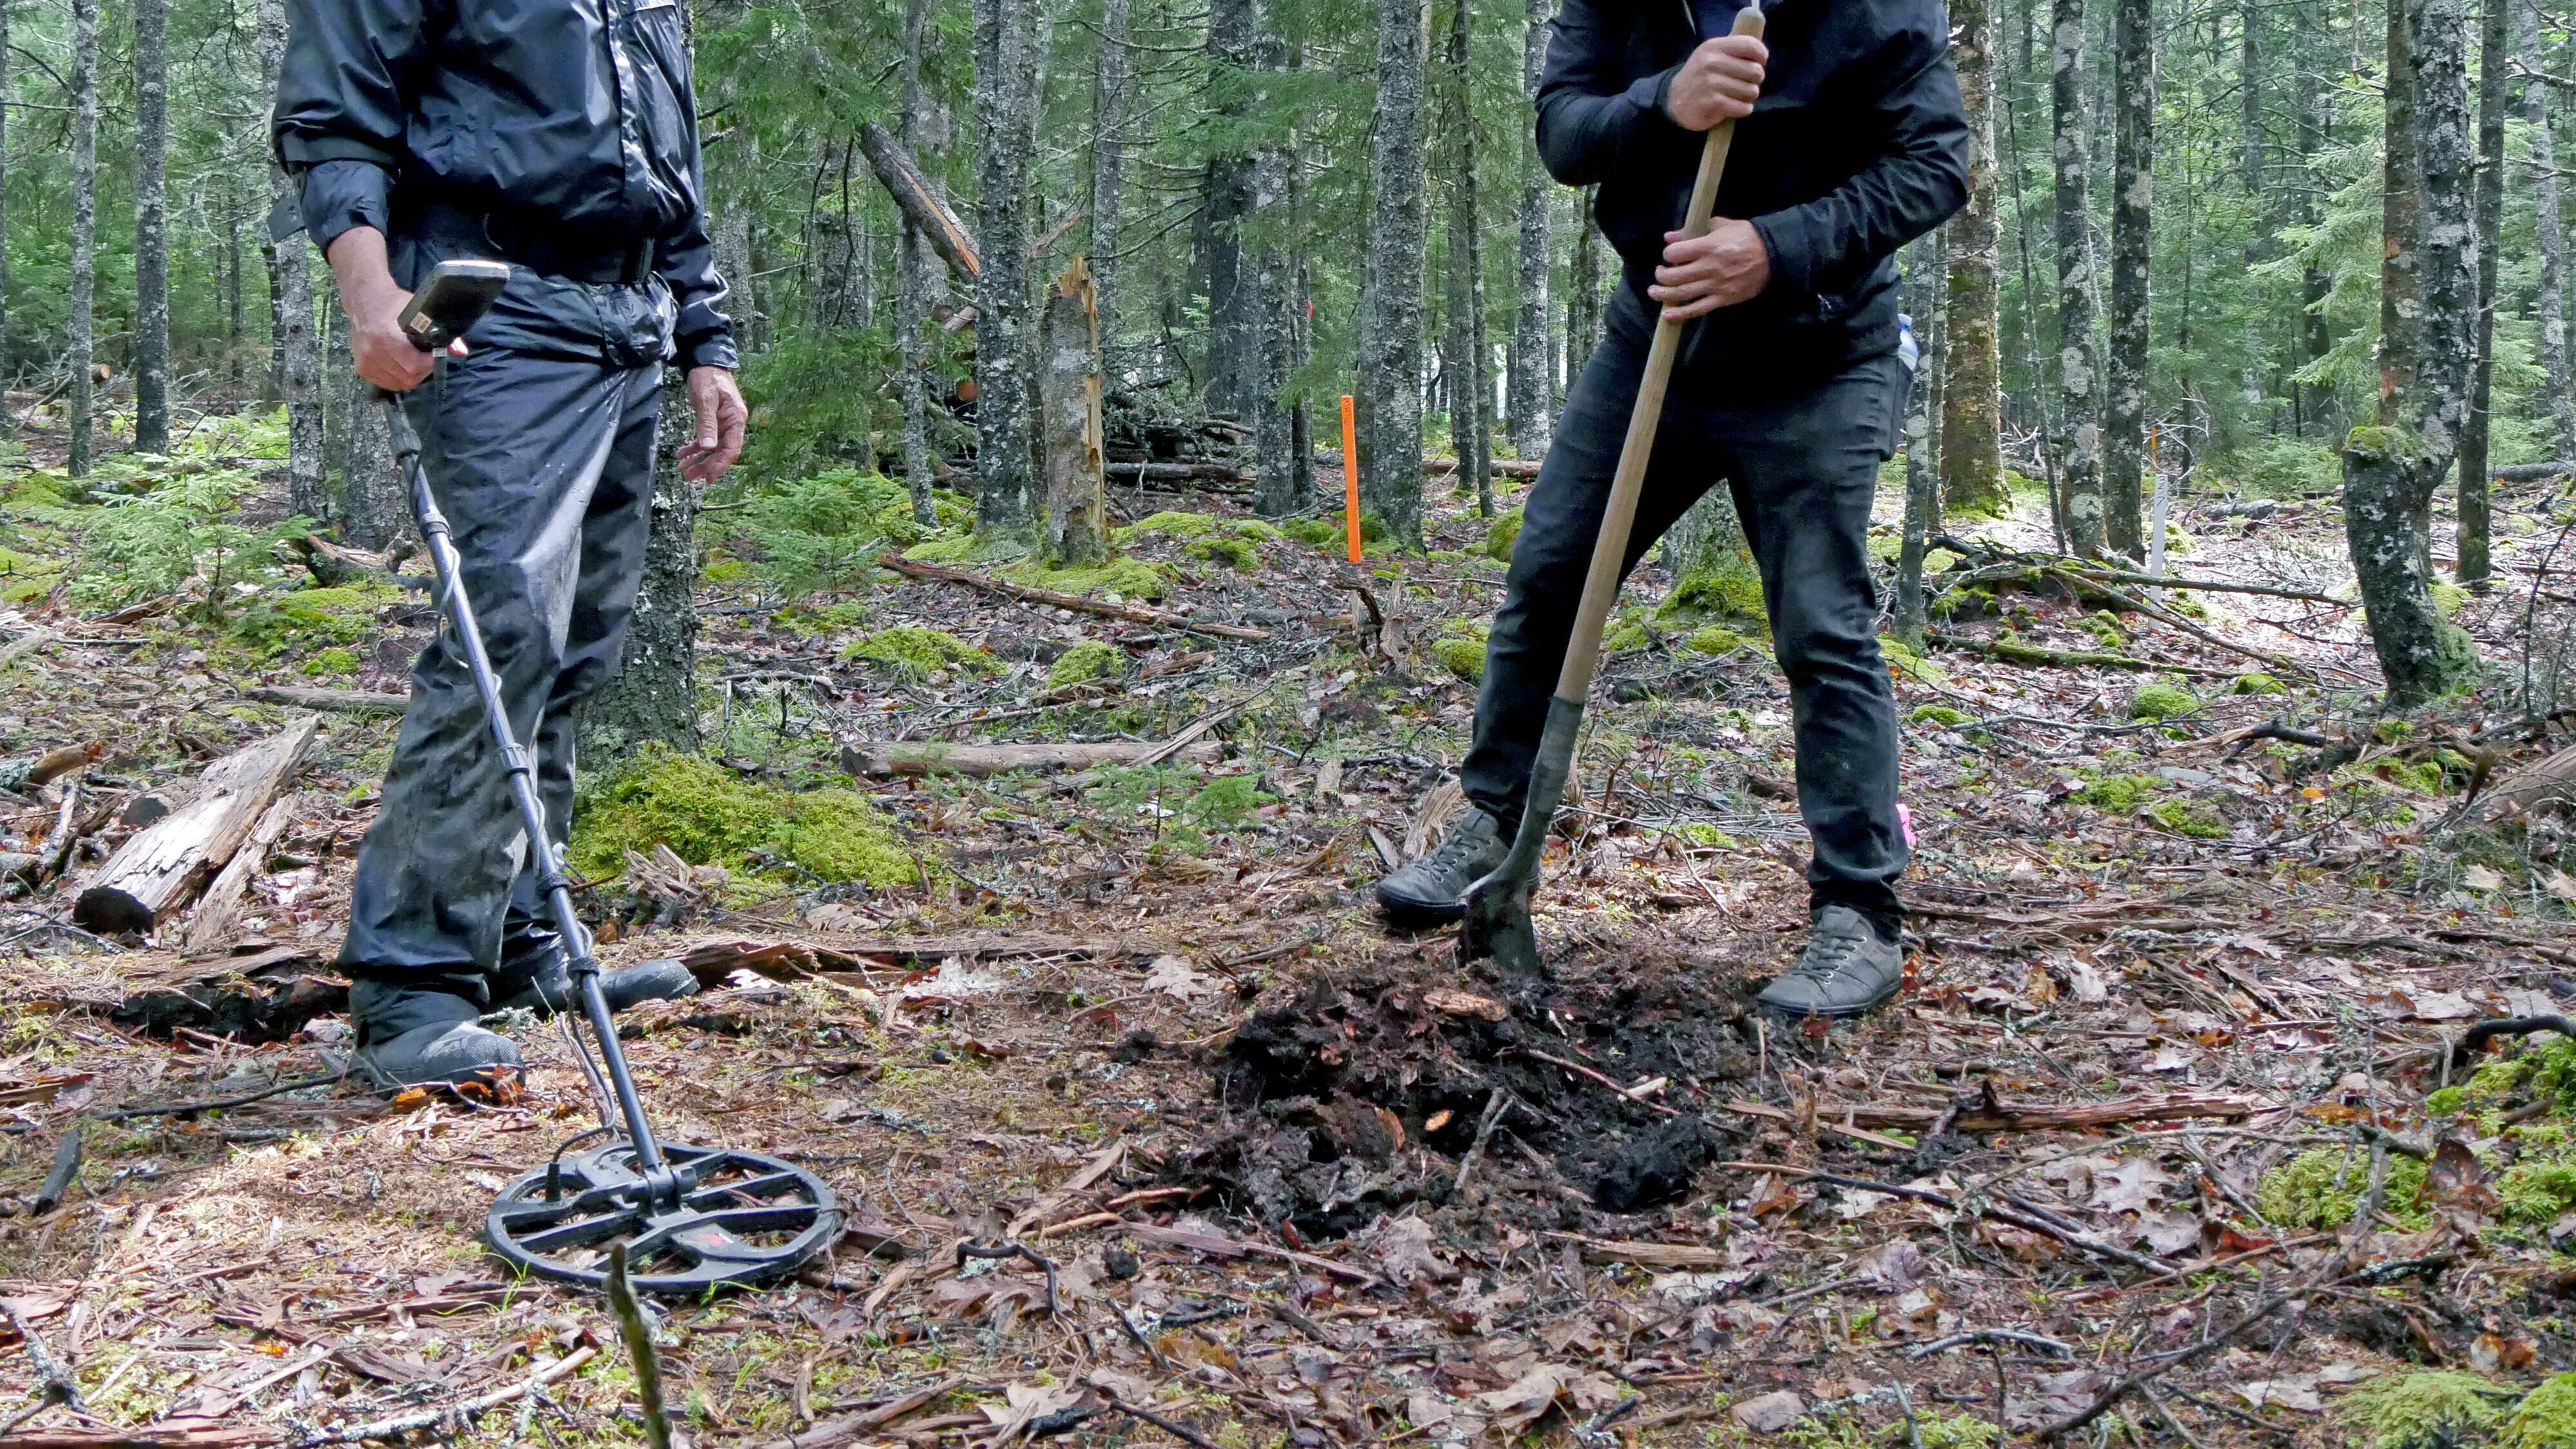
(2323, 1187)
(1323, 533)
(2546, 1417)
(2391, 731)
(2536, 1190)
(1167, 524)
(311, 619)
(2118, 794)
(1700, 832)
(1128, 578)
(2104, 625)
(1903, 658)
(709, 816)
(1715, 639)
(2185, 818)
(333, 661)
(1091, 659)
(1938, 714)
(1505, 532)
(2256, 683)
(2447, 598)
(1235, 553)
(2447, 1101)
(2424, 1410)
(1626, 634)
(1731, 589)
(953, 548)
(2155, 700)
(912, 651)
(1463, 655)
(1959, 1431)
(1255, 530)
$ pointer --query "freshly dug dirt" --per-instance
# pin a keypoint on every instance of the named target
(1327, 1095)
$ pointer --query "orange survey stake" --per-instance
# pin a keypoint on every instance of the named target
(1350, 479)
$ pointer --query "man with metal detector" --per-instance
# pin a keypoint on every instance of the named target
(558, 137)
(1785, 385)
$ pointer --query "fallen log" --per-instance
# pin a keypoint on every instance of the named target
(2551, 781)
(1133, 613)
(914, 198)
(161, 867)
(211, 926)
(264, 997)
(337, 701)
(2041, 1116)
(712, 962)
(2013, 651)
(1434, 466)
(979, 761)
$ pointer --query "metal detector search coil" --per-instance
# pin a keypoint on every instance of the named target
(691, 1218)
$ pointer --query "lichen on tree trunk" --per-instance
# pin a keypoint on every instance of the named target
(2124, 412)
(84, 279)
(1922, 490)
(653, 697)
(1069, 421)
(1005, 112)
(1390, 324)
(2079, 380)
(1972, 465)
(1533, 374)
(2470, 537)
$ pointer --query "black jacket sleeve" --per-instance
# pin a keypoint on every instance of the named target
(1587, 110)
(340, 118)
(686, 262)
(1919, 179)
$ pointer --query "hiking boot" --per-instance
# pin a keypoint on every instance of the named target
(409, 1036)
(1432, 891)
(1847, 969)
(625, 986)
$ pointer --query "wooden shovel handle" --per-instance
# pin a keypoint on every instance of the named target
(1610, 547)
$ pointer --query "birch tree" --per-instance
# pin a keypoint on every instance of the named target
(2470, 536)
(2551, 235)
(912, 282)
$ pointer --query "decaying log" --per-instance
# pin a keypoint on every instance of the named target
(337, 701)
(912, 195)
(211, 927)
(1431, 466)
(982, 760)
(2552, 780)
(160, 868)
(264, 997)
(712, 962)
(1133, 613)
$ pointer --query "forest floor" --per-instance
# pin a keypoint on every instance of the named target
(2180, 993)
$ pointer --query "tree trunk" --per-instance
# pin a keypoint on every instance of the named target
(1234, 324)
(2552, 235)
(2315, 334)
(1077, 530)
(2079, 382)
(653, 697)
(1922, 493)
(1583, 290)
(151, 228)
(297, 347)
(1277, 489)
(1108, 169)
(8, 368)
(84, 321)
(1390, 325)
(2124, 414)
(1533, 376)
(2470, 539)
(2401, 285)
(1470, 393)
(1972, 465)
(2390, 470)
(912, 285)
(376, 501)
(1005, 110)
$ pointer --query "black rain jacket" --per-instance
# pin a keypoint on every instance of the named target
(1857, 145)
(574, 118)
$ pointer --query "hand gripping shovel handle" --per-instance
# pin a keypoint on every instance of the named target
(572, 944)
(1497, 922)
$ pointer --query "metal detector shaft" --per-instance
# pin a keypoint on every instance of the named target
(572, 946)
(1497, 921)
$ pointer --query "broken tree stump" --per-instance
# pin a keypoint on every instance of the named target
(161, 867)
(212, 926)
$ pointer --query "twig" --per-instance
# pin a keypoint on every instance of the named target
(1133, 613)
(966, 1250)
(639, 1347)
(67, 1161)
(2485, 1031)
(181, 1109)
(1591, 1430)
(1990, 1335)
(1143, 1342)
(1581, 1070)
(454, 1417)
(1169, 1426)
(2007, 1216)
(1484, 1133)
(58, 1387)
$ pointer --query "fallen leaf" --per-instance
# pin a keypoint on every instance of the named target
(2130, 1187)
(2297, 1394)
(1769, 1413)
(1899, 1265)
(1175, 976)
(1450, 1001)
(2168, 1233)
(1520, 1404)
(1401, 1248)
(2345, 1373)
(2479, 878)
(2057, 1396)
(2443, 1006)
(2493, 1353)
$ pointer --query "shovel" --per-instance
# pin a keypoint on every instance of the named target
(1498, 906)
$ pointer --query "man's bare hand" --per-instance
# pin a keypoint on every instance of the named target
(722, 421)
(1701, 274)
(1718, 83)
(383, 352)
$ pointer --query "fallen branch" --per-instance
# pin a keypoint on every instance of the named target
(828, 1433)
(981, 761)
(1172, 1427)
(337, 701)
(2013, 651)
(55, 1384)
(1218, 1245)
(912, 195)
(67, 1161)
(1991, 1335)
(2488, 1030)
(638, 1337)
(161, 867)
(1432, 466)
(181, 1109)
(1589, 1074)
(2163, 615)
(1133, 613)
(452, 1419)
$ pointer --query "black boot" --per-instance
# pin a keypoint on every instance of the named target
(550, 990)
(409, 1036)
(1850, 967)
(1432, 891)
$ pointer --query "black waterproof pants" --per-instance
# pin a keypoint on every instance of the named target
(539, 447)
(1802, 464)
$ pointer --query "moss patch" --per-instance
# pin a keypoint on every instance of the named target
(1234, 553)
(1715, 639)
(1128, 578)
(311, 619)
(1938, 714)
(2256, 682)
(2546, 1417)
(2155, 700)
(2118, 794)
(1091, 659)
(2424, 1410)
(1505, 532)
(1904, 659)
(2185, 818)
(1167, 524)
(912, 651)
(1323, 533)
(2323, 1188)
(1463, 655)
(709, 816)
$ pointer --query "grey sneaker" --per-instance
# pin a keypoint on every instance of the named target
(1847, 969)
(625, 986)
(410, 1037)
(1432, 891)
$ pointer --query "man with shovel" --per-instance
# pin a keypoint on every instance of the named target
(1787, 389)
(560, 137)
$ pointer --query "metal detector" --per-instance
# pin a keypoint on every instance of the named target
(691, 1218)
(1497, 923)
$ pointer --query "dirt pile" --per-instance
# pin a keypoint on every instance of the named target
(1368, 1090)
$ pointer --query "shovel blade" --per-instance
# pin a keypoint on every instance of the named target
(1497, 928)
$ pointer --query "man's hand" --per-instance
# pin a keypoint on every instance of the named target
(1718, 82)
(383, 352)
(722, 418)
(1730, 264)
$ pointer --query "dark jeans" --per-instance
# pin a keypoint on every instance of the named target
(1802, 463)
(539, 446)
